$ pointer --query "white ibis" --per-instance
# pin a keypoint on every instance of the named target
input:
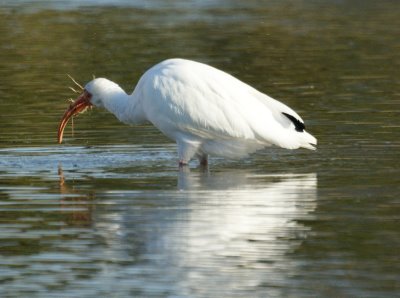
(204, 110)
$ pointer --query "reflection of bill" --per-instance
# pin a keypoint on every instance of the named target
(76, 205)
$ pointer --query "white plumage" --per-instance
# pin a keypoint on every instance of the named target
(205, 110)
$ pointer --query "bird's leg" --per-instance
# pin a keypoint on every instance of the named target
(186, 150)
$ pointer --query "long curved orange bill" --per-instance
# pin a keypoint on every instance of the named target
(78, 106)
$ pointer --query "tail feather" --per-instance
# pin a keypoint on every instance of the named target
(307, 141)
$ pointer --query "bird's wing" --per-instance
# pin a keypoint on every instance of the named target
(211, 104)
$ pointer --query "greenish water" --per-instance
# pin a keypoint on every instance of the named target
(109, 214)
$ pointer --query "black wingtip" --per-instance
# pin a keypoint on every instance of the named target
(299, 126)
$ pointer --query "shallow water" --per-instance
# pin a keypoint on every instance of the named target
(108, 213)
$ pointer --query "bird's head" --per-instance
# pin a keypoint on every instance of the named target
(92, 95)
(97, 91)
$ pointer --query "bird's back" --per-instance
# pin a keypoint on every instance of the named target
(194, 102)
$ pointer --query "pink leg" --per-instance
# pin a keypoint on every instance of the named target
(186, 150)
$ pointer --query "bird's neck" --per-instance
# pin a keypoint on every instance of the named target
(126, 108)
(115, 100)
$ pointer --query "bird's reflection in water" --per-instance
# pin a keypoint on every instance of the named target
(240, 219)
(230, 229)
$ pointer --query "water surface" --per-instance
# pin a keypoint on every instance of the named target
(108, 213)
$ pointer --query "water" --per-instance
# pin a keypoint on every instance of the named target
(109, 214)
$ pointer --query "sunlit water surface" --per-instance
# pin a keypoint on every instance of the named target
(109, 214)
